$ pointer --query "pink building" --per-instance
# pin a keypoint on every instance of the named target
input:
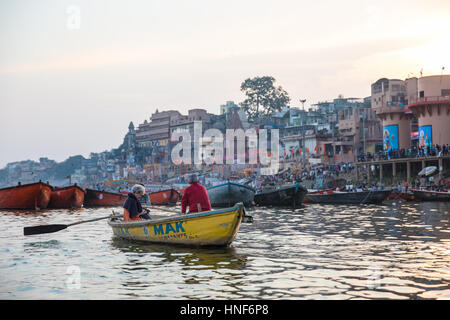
(432, 109)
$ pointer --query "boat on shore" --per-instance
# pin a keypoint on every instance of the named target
(34, 196)
(362, 197)
(165, 197)
(96, 198)
(428, 195)
(230, 193)
(67, 198)
(287, 195)
(207, 228)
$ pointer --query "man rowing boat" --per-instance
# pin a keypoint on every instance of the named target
(132, 208)
(195, 197)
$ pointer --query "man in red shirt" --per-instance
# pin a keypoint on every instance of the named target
(195, 197)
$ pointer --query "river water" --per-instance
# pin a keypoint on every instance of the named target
(399, 250)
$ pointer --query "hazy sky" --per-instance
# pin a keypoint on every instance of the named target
(73, 74)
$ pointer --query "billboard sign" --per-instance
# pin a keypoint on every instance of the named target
(390, 137)
(425, 136)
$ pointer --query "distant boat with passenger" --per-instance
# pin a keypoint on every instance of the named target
(361, 197)
(229, 193)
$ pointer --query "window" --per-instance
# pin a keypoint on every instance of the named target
(445, 92)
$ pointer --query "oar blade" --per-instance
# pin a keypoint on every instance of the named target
(28, 231)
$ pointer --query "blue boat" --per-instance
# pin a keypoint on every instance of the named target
(230, 193)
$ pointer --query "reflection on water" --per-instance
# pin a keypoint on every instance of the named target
(176, 270)
(400, 250)
(212, 258)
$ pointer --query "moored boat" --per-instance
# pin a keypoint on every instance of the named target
(230, 193)
(306, 199)
(164, 197)
(208, 228)
(287, 195)
(67, 197)
(33, 196)
(362, 197)
(428, 195)
(96, 198)
(181, 191)
(407, 196)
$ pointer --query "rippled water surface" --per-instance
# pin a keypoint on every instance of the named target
(393, 251)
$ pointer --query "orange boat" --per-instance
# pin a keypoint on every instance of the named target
(68, 197)
(306, 200)
(165, 197)
(95, 198)
(409, 196)
(34, 196)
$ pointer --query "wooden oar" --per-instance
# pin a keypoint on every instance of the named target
(49, 228)
(162, 209)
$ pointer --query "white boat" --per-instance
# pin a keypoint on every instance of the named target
(229, 193)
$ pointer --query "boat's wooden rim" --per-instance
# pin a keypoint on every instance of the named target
(68, 187)
(232, 183)
(161, 191)
(26, 185)
(237, 207)
(281, 188)
(430, 191)
(345, 192)
(100, 191)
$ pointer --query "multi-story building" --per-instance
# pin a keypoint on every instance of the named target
(187, 122)
(413, 111)
(389, 100)
(431, 106)
(359, 132)
(157, 131)
(228, 107)
(155, 135)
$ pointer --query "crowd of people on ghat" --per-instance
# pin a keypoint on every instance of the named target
(434, 150)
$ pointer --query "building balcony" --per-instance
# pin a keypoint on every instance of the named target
(429, 100)
(390, 109)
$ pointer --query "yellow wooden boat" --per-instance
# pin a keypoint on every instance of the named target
(207, 228)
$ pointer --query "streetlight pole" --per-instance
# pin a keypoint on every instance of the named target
(303, 132)
(364, 133)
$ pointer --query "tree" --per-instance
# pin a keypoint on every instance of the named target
(263, 98)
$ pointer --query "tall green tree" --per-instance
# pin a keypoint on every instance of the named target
(263, 97)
